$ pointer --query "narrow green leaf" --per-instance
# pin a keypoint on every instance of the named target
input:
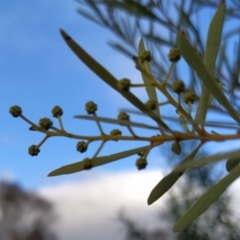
(189, 24)
(108, 78)
(79, 166)
(116, 121)
(194, 61)
(214, 39)
(203, 203)
(151, 91)
(236, 68)
(210, 56)
(209, 160)
(167, 182)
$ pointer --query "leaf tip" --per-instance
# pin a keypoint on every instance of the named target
(182, 33)
(65, 35)
(53, 173)
(150, 200)
(50, 174)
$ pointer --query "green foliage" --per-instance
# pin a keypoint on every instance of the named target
(203, 68)
(202, 204)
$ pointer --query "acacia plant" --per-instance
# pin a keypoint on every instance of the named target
(193, 124)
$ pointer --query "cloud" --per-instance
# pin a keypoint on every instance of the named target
(87, 209)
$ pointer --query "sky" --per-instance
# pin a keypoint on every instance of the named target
(39, 71)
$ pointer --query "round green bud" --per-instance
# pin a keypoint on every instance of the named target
(151, 104)
(174, 54)
(176, 148)
(116, 132)
(124, 84)
(57, 111)
(232, 163)
(91, 107)
(189, 96)
(82, 146)
(123, 116)
(16, 111)
(178, 86)
(145, 56)
(33, 150)
(141, 163)
(87, 164)
(45, 123)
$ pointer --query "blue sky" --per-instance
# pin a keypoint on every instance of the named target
(39, 71)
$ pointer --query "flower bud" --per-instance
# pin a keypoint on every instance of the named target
(189, 96)
(176, 148)
(174, 54)
(82, 146)
(145, 56)
(33, 150)
(91, 107)
(87, 164)
(116, 132)
(124, 84)
(178, 86)
(151, 104)
(57, 111)
(16, 111)
(45, 123)
(141, 163)
(123, 116)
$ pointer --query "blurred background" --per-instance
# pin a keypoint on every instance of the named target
(39, 71)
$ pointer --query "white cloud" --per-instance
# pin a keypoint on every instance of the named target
(88, 208)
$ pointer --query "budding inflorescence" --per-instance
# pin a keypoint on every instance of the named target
(189, 97)
(149, 108)
(141, 163)
(87, 164)
(151, 104)
(16, 111)
(57, 112)
(116, 132)
(124, 84)
(91, 107)
(174, 54)
(45, 123)
(145, 56)
(82, 146)
(178, 86)
(33, 150)
(123, 116)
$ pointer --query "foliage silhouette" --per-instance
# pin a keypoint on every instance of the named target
(24, 215)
